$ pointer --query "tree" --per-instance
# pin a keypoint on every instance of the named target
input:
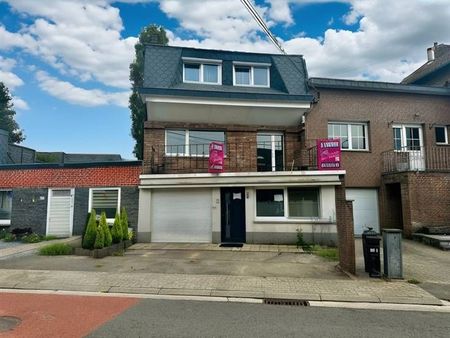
(99, 238)
(116, 231)
(106, 231)
(155, 35)
(91, 232)
(7, 114)
(124, 222)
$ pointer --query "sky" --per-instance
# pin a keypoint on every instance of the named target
(66, 61)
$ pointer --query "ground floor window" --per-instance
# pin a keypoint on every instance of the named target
(290, 202)
(105, 200)
(5, 207)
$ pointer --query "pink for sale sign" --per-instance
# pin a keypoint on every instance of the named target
(216, 156)
(329, 154)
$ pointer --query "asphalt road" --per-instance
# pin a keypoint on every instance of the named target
(173, 318)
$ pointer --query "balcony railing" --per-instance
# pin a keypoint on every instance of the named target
(239, 157)
(415, 158)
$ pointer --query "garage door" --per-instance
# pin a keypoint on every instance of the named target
(181, 215)
(60, 212)
(365, 209)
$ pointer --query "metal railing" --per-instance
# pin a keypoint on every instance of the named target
(416, 158)
(239, 157)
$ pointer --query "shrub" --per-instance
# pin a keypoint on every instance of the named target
(32, 238)
(106, 231)
(56, 249)
(99, 238)
(91, 231)
(9, 237)
(3, 233)
(124, 222)
(301, 242)
(131, 235)
(116, 230)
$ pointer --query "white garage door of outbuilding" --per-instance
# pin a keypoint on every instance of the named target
(60, 212)
(365, 209)
(181, 216)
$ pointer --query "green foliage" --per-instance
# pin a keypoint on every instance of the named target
(3, 233)
(9, 237)
(47, 158)
(106, 231)
(7, 116)
(301, 242)
(131, 235)
(116, 230)
(99, 238)
(49, 238)
(124, 223)
(331, 254)
(90, 232)
(32, 238)
(413, 281)
(118, 253)
(151, 34)
(56, 249)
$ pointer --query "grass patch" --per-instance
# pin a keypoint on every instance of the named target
(329, 253)
(56, 249)
(413, 281)
(49, 238)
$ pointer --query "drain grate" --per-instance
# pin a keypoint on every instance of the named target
(290, 302)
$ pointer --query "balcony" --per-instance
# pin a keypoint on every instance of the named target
(239, 157)
(416, 159)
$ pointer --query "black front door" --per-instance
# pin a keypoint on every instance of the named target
(233, 215)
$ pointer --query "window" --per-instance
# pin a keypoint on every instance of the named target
(303, 202)
(208, 73)
(270, 203)
(5, 207)
(353, 136)
(191, 142)
(407, 138)
(270, 152)
(105, 199)
(441, 134)
(249, 75)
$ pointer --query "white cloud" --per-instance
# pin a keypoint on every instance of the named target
(66, 91)
(20, 104)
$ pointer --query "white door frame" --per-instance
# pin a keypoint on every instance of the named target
(416, 157)
(72, 199)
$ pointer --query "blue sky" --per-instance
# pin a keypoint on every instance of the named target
(66, 61)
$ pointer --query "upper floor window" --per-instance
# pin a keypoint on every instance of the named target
(5, 207)
(251, 75)
(202, 71)
(353, 136)
(191, 142)
(441, 133)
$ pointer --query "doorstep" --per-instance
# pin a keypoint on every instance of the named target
(216, 247)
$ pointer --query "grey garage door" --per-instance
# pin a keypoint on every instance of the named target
(365, 209)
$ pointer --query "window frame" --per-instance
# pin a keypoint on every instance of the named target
(273, 149)
(187, 143)
(446, 142)
(349, 134)
(403, 137)
(109, 220)
(252, 79)
(287, 216)
(202, 63)
(7, 221)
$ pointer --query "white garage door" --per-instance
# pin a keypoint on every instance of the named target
(365, 209)
(181, 215)
(60, 212)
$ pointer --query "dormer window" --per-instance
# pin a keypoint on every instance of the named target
(256, 75)
(202, 71)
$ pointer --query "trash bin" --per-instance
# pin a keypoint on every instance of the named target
(392, 253)
(373, 256)
(368, 232)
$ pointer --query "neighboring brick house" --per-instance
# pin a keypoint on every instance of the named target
(254, 104)
(396, 150)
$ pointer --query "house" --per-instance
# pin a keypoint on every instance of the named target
(436, 71)
(55, 198)
(255, 105)
(395, 149)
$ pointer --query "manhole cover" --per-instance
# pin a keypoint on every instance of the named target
(8, 323)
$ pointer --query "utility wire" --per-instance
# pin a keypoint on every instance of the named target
(251, 9)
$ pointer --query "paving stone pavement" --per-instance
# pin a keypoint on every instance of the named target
(216, 247)
(218, 285)
(18, 249)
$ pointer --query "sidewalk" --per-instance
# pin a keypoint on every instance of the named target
(23, 249)
(218, 285)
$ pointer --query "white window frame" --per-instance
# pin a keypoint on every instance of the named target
(402, 128)
(349, 134)
(202, 63)
(187, 144)
(6, 221)
(445, 134)
(252, 66)
(286, 216)
(109, 220)
(273, 146)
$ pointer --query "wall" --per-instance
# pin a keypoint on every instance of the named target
(379, 110)
(29, 209)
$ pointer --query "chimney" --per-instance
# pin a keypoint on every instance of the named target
(4, 135)
(430, 53)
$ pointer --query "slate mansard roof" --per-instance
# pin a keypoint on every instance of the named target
(163, 74)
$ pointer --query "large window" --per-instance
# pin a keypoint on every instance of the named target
(5, 207)
(105, 200)
(290, 202)
(251, 75)
(183, 142)
(441, 134)
(407, 138)
(353, 136)
(270, 156)
(208, 73)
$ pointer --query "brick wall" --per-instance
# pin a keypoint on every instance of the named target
(70, 177)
